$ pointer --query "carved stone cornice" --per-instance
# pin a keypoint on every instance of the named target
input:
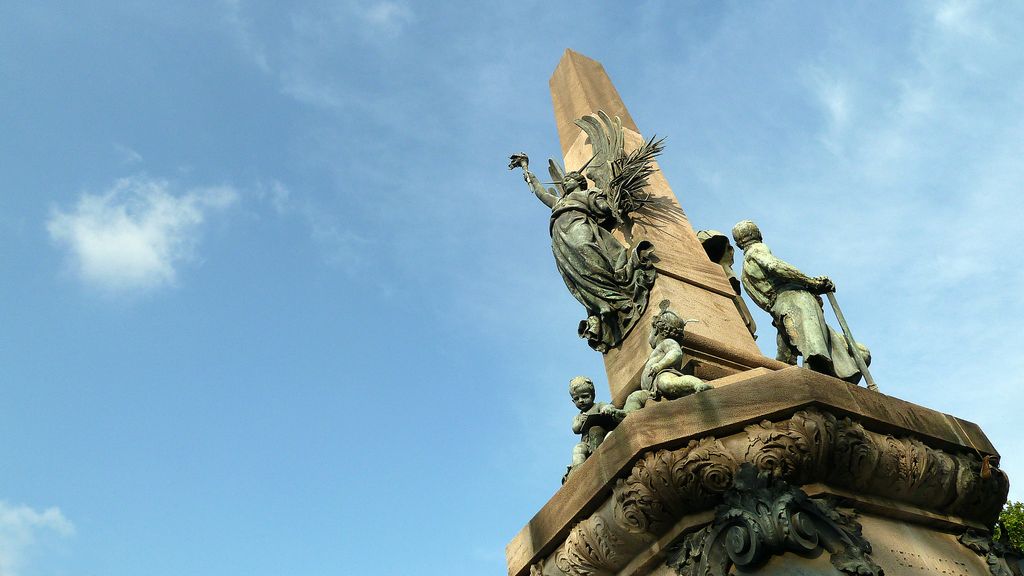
(666, 484)
(890, 456)
(811, 446)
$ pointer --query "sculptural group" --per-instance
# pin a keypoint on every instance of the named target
(613, 282)
(610, 280)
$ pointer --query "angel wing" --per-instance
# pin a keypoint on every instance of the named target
(606, 140)
(622, 176)
(556, 176)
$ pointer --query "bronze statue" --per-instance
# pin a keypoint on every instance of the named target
(719, 250)
(663, 375)
(793, 299)
(593, 423)
(609, 280)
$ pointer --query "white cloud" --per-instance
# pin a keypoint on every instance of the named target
(127, 155)
(135, 235)
(387, 17)
(960, 17)
(340, 244)
(277, 195)
(21, 529)
(240, 30)
(833, 95)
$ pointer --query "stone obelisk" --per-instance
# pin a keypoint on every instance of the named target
(777, 470)
(696, 286)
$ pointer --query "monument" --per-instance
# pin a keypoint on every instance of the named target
(713, 459)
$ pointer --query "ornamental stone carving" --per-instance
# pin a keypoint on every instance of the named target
(811, 446)
(590, 550)
(907, 470)
(976, 496)
(795, 449)
(666, 484)
(762, 516)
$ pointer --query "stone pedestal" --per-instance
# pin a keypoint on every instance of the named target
(903, 483)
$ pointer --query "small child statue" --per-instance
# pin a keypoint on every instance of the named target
(662, 376)
(593, 423)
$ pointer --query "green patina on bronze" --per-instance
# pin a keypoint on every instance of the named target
(593, 423)
(793, 299)
(610, 280)
(664, 376)
(719, 250)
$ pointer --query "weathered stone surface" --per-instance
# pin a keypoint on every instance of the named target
(761, 517)
(580, 86)
(668, 460)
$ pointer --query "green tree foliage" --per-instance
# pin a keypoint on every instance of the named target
(1012, 517)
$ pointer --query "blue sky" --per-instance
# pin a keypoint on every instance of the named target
(272, 304)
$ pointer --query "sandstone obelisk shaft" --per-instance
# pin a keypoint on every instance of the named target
(696, 287)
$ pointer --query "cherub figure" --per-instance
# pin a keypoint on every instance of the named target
(593, 423)
(663, 376)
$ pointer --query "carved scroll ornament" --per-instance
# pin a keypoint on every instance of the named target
(761, 517)
(810, 447)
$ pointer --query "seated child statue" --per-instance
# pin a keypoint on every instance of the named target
(662, 376)
(593, 423)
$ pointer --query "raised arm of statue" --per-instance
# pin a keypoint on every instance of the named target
(546, 195)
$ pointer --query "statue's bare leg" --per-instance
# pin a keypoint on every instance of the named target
(580, 452)
(636, 400)
(674, 386)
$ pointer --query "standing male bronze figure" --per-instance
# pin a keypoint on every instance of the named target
(793, 299)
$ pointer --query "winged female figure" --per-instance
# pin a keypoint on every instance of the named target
(610, 280)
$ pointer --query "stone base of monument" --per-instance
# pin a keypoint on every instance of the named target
(775, 472)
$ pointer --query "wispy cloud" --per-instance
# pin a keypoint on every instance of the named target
(925, 193)
(386, 16)
(240, 30)
(309, 55)
(127, 155)
(135, 235)
(833, 95)
(22, 528)
(961, 17)
(339, 243)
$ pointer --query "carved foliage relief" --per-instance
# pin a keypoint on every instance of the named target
(666, 484)
(763, 516)
(811, 446)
